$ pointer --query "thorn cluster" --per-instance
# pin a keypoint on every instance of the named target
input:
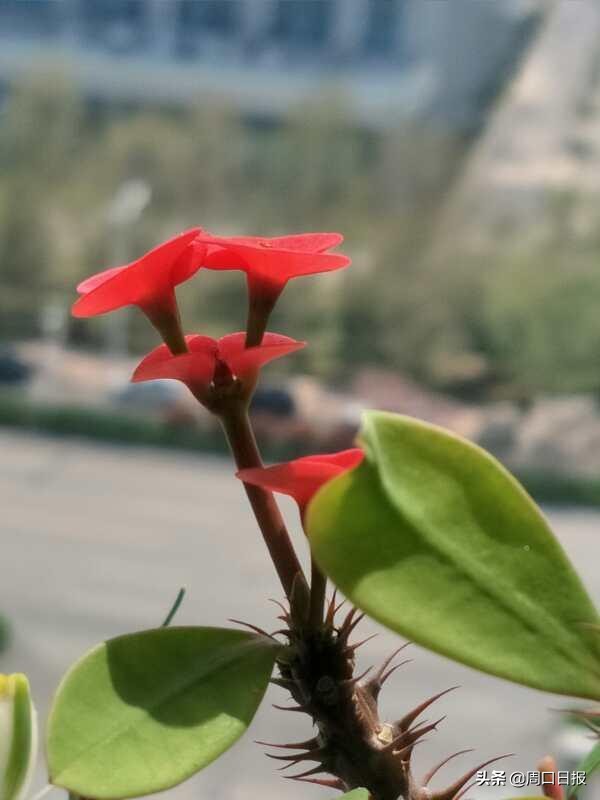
(353, 746)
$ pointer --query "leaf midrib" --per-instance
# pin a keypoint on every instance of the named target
(491, 588)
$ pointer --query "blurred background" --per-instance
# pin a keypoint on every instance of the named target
(457, 147)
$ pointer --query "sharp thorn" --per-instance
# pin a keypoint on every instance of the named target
(330, 614)
(339, 606)
(349, 624)
(351, 649)
(409, 718)
(407, 750)
(434, 770)
(408, 739)
(415, 734)
(465, 790)
(351, 682)
(303, 709)
(348, 619)
(285, 766)
(312, 755)
(254, 628)
(390, 658)
(376, 682)
(309, 744)
(356, 622)
(451, 792)
(313, 771)
(280, 605)
(283, 683)
(388, 673)
(328, 783)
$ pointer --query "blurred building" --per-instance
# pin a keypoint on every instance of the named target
(391, 57)
(543, 140)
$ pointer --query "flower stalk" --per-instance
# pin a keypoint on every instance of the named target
(244, 449)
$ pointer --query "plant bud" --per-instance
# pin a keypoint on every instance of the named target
(18, 736)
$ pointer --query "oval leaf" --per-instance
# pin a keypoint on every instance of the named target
(143, 712)
(432, 537)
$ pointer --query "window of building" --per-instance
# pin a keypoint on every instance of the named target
(381, 34)
(219, 17)
(30, 17)
(303, 23)
(117, 25)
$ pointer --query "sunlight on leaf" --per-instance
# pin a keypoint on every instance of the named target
(143, 712)
(432, 537)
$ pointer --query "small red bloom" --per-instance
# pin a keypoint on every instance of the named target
(148, 282)
(269, 263)
(303, 477)
(207, 358)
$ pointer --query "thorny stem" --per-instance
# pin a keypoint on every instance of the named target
(318, 586)
(246, 454)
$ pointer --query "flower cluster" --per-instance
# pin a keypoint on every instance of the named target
(217, 371)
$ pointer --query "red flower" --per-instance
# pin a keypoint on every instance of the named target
(302, 478)
(269, 263)
(207, 359)
(148, 282)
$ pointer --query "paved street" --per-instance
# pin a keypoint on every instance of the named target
(96, 541)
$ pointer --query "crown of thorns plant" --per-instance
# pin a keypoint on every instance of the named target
(419, 529)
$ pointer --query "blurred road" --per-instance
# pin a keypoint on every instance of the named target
(96, 540)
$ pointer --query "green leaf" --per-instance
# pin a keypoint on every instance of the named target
(588, 765)
(355, 794)
(432, 537)
(143, 712)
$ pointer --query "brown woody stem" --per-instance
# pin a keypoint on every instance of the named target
(318, 586)
(246, 454)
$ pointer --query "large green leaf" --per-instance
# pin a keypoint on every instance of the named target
(355, 794)
(435, 539)
(143, 712)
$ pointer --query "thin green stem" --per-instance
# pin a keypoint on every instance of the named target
(246, 454)
(174, 607)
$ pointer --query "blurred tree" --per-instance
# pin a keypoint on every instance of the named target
(541, 310)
